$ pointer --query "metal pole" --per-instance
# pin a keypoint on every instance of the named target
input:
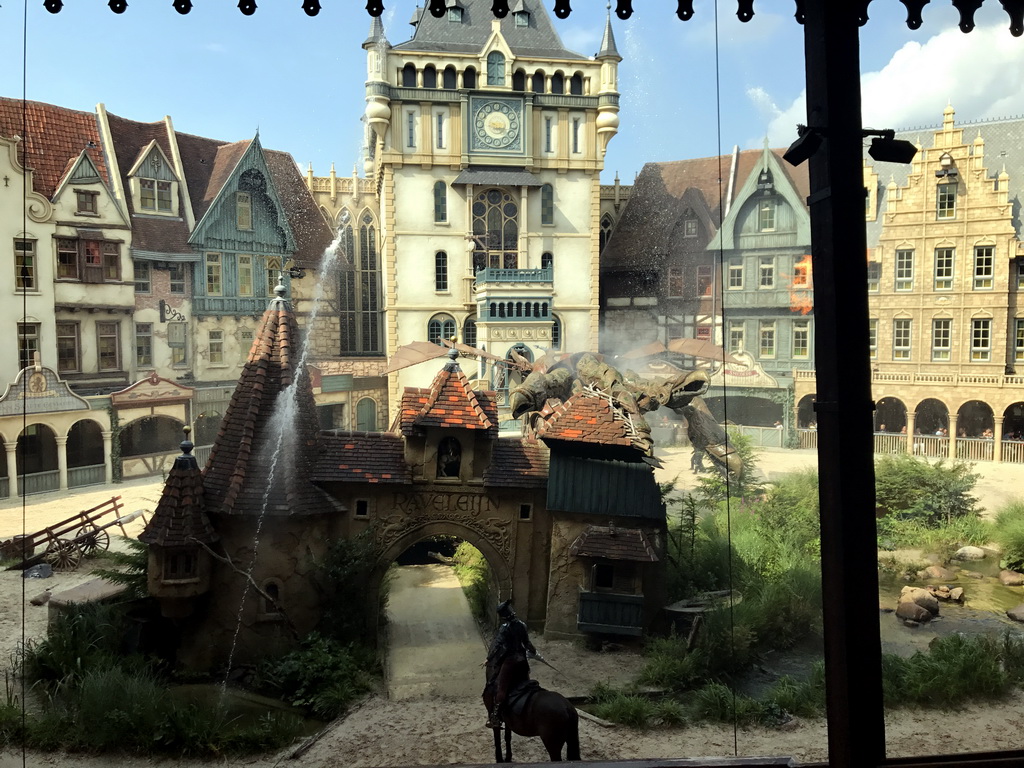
(856, 729)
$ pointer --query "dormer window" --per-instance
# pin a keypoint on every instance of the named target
(765, 182)
(449, 458)
(522, 19)
(155, 195)
(87, 202)
(454, 11)
(495, 68)
(243, 205)
(766, 215)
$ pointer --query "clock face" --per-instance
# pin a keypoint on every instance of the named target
(497, 125)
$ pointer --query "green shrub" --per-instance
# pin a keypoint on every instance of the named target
(117, 710)
(343, 578)
(956, 669)
(474, 574)
(129, 567)
(1008, 533)
(628, 709)
(84, 637)
(916, 488)
(803, 698)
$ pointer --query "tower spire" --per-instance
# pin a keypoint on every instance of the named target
(608, 48)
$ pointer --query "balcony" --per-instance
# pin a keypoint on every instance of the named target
(229, 305)
(495, 275)
(611, 613)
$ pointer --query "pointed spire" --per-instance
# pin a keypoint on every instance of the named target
(376, 36)
(180, 518)
(608, 49)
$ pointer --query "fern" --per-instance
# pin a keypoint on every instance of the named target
(128, 567)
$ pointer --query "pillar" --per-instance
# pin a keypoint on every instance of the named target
(108, 465)
(911, 426)
(997, 439)
(12, 468)
(62, 461)
(952, 436)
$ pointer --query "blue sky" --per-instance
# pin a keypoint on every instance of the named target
(299, 80)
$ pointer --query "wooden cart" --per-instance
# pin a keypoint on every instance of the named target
(67, 542)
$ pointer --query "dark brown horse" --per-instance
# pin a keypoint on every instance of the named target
(546, 714)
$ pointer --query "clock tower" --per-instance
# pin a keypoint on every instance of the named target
(486, 140)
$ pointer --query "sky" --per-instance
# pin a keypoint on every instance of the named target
(689, 89)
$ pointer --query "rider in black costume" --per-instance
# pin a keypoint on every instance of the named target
(507, 660)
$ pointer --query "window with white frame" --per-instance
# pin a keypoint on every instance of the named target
(143, 345)
(69, 350)
(766, 272)
(984, 267)
(801, 339)
(874, 276)
(1018, 339)
(243, 210)
(177, 341)
(802, 272)
(108, 346)
(689, 225)
(766, 215)
(737, 333)
(873, 338)
(216, 346)
(766, 334)
(143, 276)
(25, 265)
(245, 275)
(735, 274)
(944, 269)
(901, 328)
(981, 340)
(942, 339)
(441, 272)
(176, 274)
(945, 201)
(904, 269)
(28, 344)
(440, 327)
(214, 275)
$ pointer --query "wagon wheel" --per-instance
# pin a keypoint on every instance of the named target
(92, 539)
(63, 555)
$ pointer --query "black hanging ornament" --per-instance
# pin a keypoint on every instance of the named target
(182, 6)
(248, 7)
(311, 7)
(118, 6)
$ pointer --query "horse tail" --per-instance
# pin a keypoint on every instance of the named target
(572, 737)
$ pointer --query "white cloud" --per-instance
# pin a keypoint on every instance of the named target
(920, 79)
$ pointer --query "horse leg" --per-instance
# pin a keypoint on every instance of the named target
(497, 745)
(508, 743)
(572, 741)
(553, 744)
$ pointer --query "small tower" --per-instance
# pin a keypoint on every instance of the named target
(608, 103)
(178, 535)
(378, 102)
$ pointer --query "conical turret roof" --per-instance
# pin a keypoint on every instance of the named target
(608, 49)
(266, 450)
(180, 519)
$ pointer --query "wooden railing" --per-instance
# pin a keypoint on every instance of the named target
(94, 474)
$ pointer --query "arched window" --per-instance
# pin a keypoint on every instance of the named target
(359, 292)
(538, 82)
(558, 83)
(450, 79)
(496, 230)
(348, 240)
(469, 331)
(440, 327)
(440, 271)
(429, 76)
(556, 332)
(440, 201)
(606, 230)
(469, 78)
(576, 84)
(519, 80)
(449, 458)
(495, 68)
(271, 599)
(409, 76)
(366, 415)
(547, 204)
(547, 260)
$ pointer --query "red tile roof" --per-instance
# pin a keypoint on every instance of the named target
(250, 449)
(52, 138)
(518, 463)
(586, 417)
(362, 457)
(450, 402)
(613, 543)
(180, 518)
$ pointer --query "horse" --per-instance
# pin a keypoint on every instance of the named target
(547, 714)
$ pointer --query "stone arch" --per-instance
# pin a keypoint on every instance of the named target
(1013, 420)
(890, 412)
(149, 435)
(805, 414)
(931, 415)
(501, 569)
(85, 444)
(37, 449)
(973, 418)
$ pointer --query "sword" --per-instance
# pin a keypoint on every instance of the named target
(545, 662)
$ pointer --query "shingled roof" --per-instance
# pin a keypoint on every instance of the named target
(362, 457)
(449, 402)
(253, 447)
(180, 518)
(613, 543)
(51, 138)
(586, 417)
(517, 463)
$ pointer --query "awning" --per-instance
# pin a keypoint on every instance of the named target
(498, 177)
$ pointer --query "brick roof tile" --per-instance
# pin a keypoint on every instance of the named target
(613, 543)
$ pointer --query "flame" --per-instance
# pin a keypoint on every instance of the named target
(800, 297)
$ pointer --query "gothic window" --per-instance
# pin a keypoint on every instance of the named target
(606, 230)
(359, 295)
(440, 202)
(449, 458)
(495, 68)
(547, 205)
(441, 326)
(495, 230)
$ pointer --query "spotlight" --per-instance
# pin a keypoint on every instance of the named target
(885, 148)
(806, 145)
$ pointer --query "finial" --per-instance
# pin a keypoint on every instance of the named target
(186, 444)
(453, 353)
(279, 289)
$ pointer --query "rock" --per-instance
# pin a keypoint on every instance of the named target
(921, 597)
(38, 571)
(1011, 578)
(41, 598)
(972, 574)
(970, 553)
(911, 624)
(956, 594)
(1017, 614)
(885, 608)
(908, 610)
(937, 573)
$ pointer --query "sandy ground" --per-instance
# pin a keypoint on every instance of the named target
(449, 730)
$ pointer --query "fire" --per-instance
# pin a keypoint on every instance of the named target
(800, 298)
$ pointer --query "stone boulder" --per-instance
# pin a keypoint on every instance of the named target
(937, 573)
(946, 594)
(1011, 578)
(910, 611)
(1017, 614)
(922, 597)
(970, 553)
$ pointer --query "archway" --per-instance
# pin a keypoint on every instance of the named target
(86, 462)
(149, 435)
(975, 419)
(37, 462)
(890, 415)
(932, 415)
(1013, 422)
(805, 415)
